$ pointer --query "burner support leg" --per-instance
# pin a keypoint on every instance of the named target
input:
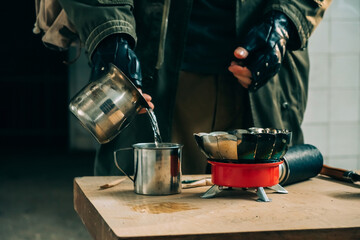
(211, 192)
(279, 189)
(262, 195)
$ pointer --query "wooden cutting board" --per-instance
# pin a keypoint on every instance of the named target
(320, 208)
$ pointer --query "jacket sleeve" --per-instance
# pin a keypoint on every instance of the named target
(305, 14)
(51, 21)
(94, 20)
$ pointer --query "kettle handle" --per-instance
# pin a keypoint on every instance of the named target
(117, 165)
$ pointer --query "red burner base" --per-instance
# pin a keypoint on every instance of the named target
(245, 175)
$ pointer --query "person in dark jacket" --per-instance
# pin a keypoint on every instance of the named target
(208, 65)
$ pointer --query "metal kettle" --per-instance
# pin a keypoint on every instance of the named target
(107, 105)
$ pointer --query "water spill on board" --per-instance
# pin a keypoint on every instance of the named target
(161, 207)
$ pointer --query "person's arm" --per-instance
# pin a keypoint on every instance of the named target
(95, 20)
(107, 31)
(286, 25)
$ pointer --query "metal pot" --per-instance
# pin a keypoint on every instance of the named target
(253, 145)
(157, 168)
(107, 105)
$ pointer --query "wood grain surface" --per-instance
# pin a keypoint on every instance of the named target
(319, 208)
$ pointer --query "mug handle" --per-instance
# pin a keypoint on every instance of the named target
(117, 165)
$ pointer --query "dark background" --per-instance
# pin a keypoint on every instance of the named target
(34, 87)
(37, 165)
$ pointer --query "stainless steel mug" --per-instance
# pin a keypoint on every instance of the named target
(107, 105)
(157, 168)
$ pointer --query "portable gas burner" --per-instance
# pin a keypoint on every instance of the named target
(245, 158)
(258, 176)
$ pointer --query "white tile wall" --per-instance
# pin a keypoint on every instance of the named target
(343, 162)
(344, 9)
(332, 118)
(343, 141)
(320, 71)
(320, 41)
(316, 134)
(344, 71)
(318, 108)
(344, 105)
(344, 36)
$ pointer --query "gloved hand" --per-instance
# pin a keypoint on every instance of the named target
(116, 49)
(260, 55)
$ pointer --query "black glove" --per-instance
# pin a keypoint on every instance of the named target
(115, 49)
(266, 44)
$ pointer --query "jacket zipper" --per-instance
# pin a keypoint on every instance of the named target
(164, 25)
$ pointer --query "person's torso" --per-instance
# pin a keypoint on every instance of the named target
(211, 36)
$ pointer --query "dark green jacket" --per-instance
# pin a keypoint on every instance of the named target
(280, 103)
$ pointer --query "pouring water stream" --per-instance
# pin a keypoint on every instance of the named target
(155, 126)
